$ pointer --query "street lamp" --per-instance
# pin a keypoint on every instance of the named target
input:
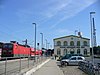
(75, 40)
(91, 13)
(46, 43)
(41, 41)
(35, 40)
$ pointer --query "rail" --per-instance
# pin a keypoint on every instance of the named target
(18, 65)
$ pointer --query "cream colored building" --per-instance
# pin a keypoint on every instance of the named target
(71, 45)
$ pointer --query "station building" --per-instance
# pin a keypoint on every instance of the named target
(71, 44)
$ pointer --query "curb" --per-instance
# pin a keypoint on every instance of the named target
(36, 68)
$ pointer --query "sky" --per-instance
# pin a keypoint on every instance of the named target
(53, 18)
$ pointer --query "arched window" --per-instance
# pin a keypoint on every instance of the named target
(71, 51)
(65, 43)
(85, 43)
(85, 51)
(65, 51)
(58, 43)
(78, 51)
(58, 52)
(72, 43)
(78, 43)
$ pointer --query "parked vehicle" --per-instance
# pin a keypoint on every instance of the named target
(73, 60)
(68, 56)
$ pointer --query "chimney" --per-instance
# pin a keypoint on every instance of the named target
(80, 34)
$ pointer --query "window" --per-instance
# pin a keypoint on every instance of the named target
(79, 58)
(9, 46)
(85, 43)
(78, 51)
(78, 43)
(71, 43)
(65, 43)
(72, 51)
(73, 58)
(85, 51)
(58, 52)
(65, 51)
(58, 43)
(4, 51)
(9, 50)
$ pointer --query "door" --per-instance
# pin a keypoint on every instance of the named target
(73, 61)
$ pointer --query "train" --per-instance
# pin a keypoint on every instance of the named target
(1, 45)
(16, 50)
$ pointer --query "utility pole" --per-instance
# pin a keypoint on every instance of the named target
(35, 41)
(46, 43)
(41, 41)
(94, 34)
(46, 46)
(75, 40)
(25, 42)
(91, 23)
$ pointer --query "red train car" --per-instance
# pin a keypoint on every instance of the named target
(1, 45)
(15, 50)
(32, 52)
(18, 50)
(37, 52)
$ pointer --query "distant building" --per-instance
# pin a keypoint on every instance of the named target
(71, 45)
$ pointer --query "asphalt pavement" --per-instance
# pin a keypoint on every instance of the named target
(50, 68)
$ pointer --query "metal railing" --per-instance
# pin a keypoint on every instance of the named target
(12, 66)
(89, 68)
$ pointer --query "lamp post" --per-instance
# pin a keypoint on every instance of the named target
(41, 41)
(75, 40)
(46, 46)
(35, 40)
(91, 13)
(46, 43)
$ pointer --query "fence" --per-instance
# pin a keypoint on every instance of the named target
(89, 68)
(19, 65)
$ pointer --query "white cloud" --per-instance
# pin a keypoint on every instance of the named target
(64, 31)
(54, 9)
(66, 9)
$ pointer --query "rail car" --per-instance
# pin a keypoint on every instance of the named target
(1, 45)
(17, 50)
(37, 52)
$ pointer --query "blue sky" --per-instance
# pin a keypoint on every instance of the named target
(54, 18)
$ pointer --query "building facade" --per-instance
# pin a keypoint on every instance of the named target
(71, 45)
